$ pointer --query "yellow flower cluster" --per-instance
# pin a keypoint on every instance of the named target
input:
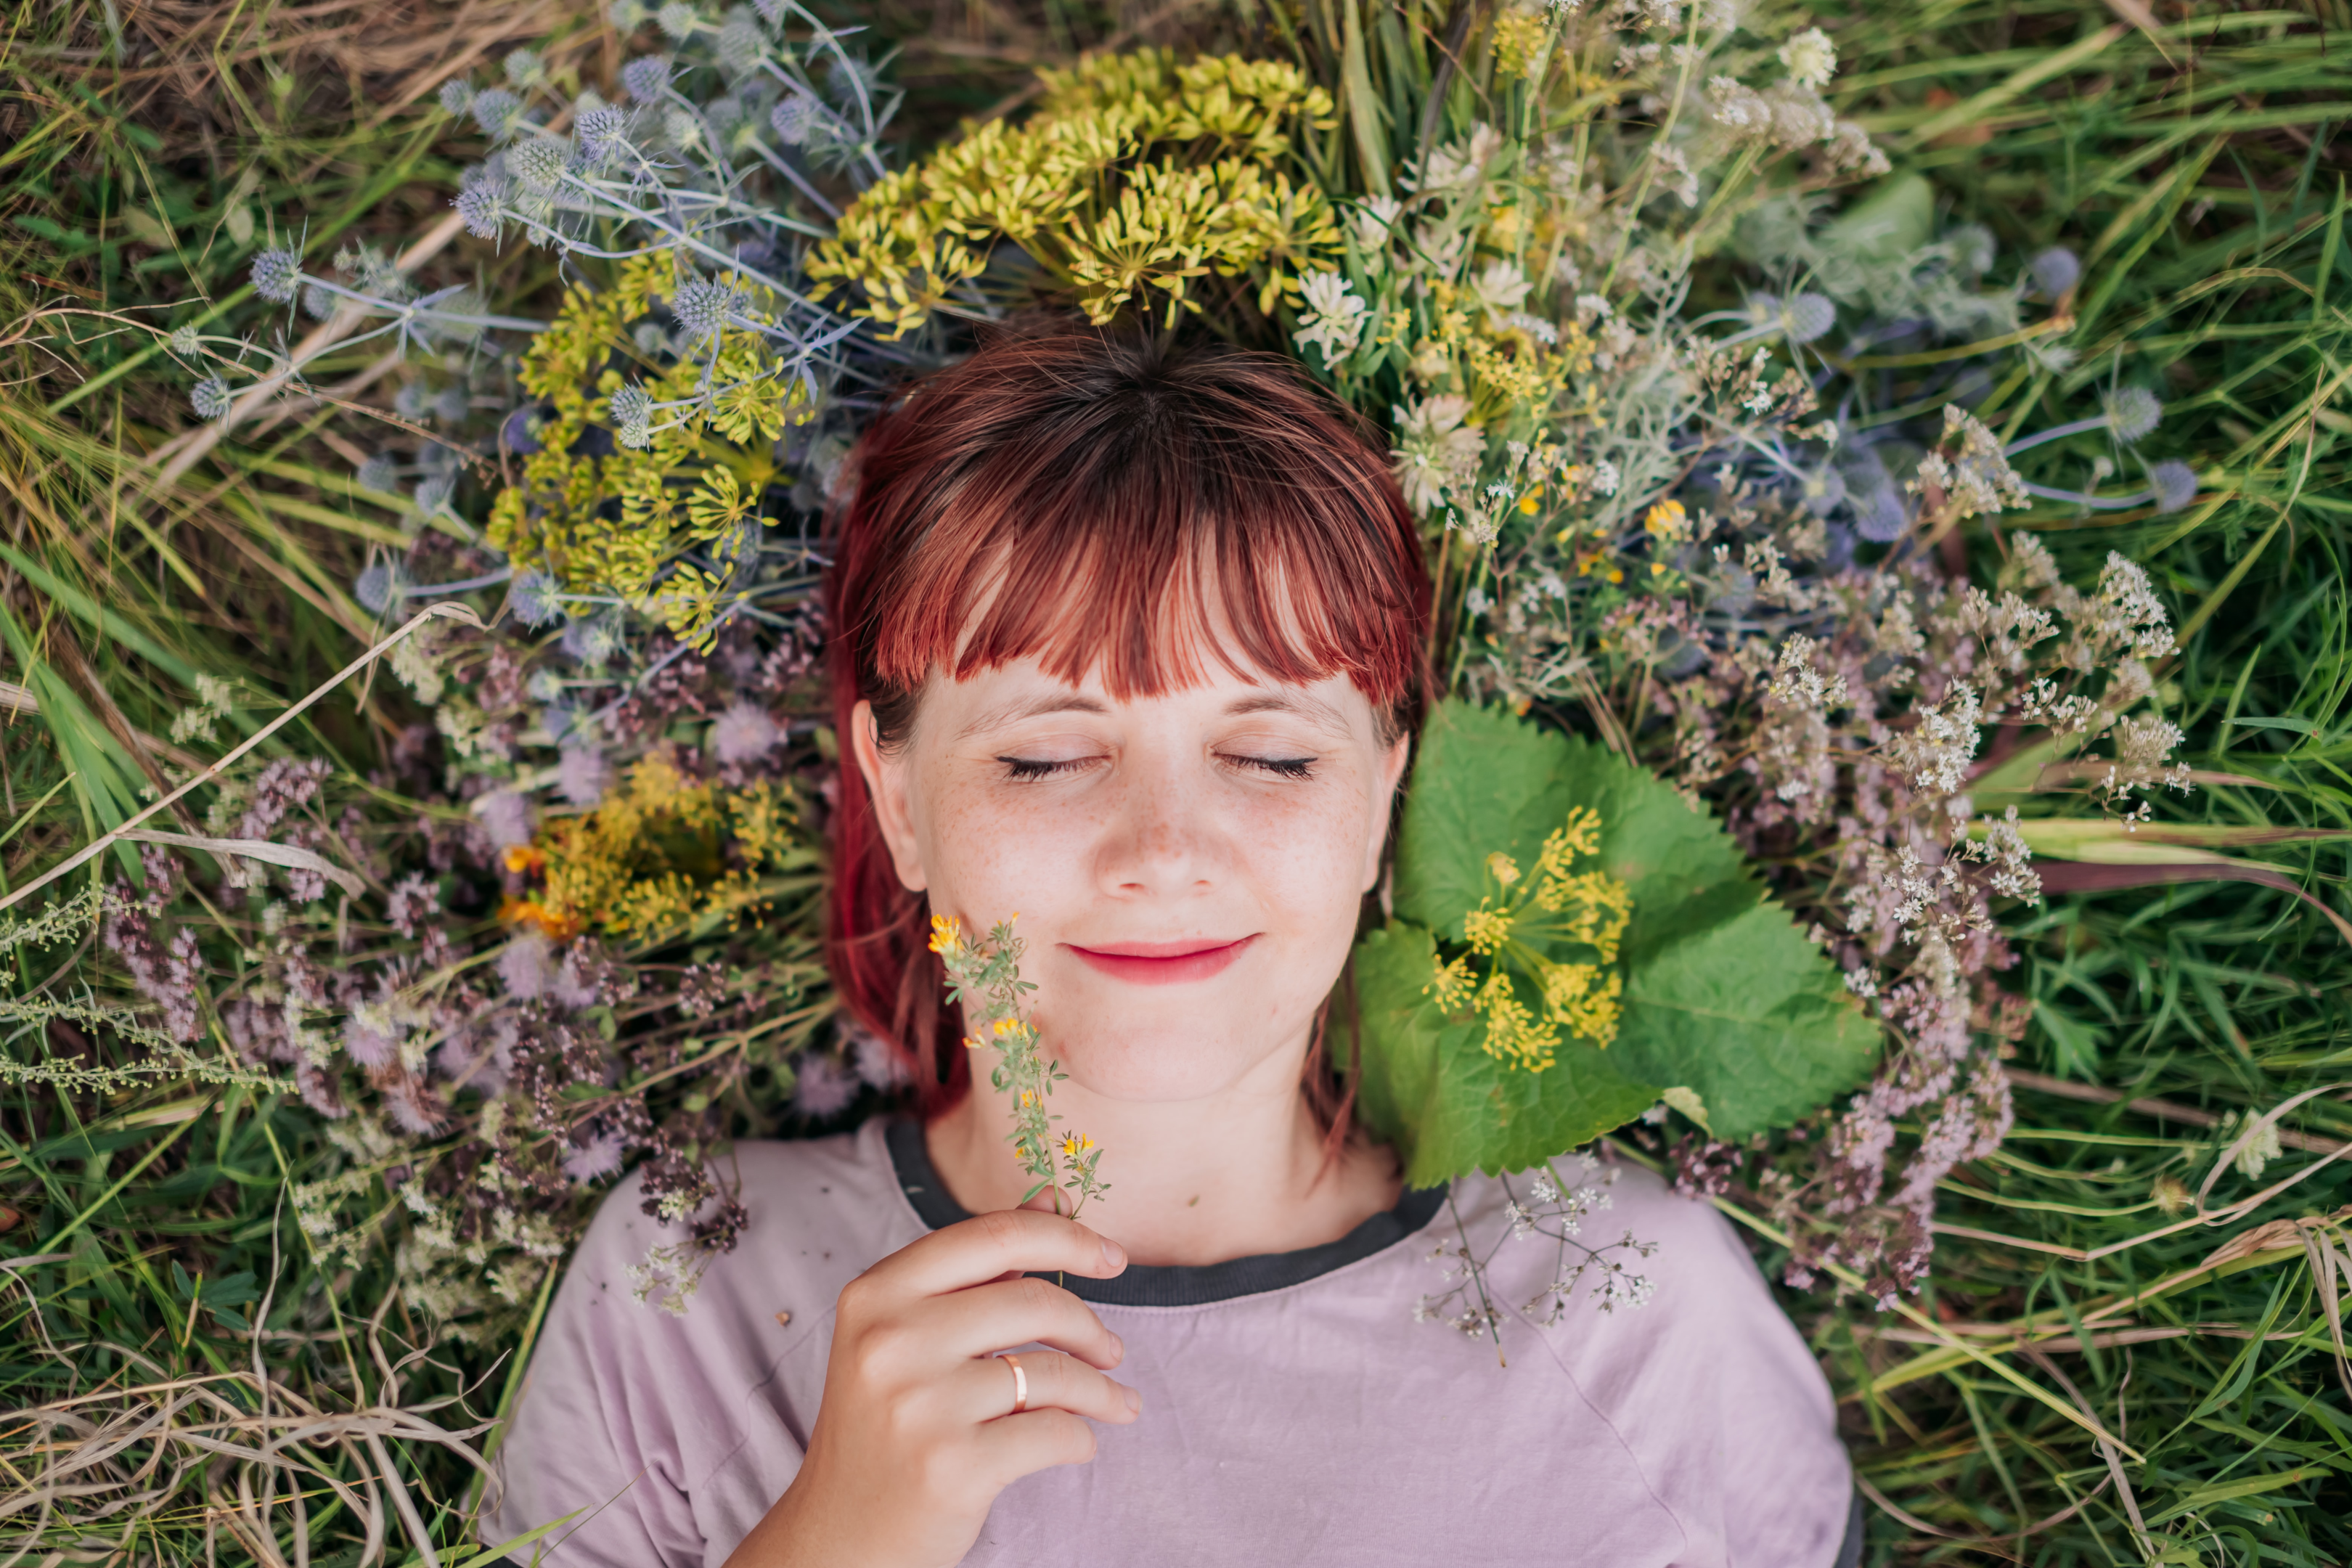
(1136, 173)
(694, 481)
(665, 852)
(1558, 905)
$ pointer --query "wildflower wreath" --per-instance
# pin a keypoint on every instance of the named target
(1801, 659)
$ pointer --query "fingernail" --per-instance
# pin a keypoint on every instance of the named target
(1114, 1254)
(1134, 1400)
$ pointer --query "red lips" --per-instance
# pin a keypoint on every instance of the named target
(1160, 962)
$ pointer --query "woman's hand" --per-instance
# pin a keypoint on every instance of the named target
(916, 1436)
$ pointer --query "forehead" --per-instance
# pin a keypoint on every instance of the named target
(1023, 690)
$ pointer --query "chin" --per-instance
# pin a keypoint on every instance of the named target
(1161, 1064)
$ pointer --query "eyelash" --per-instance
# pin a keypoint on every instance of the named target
(1025, 769)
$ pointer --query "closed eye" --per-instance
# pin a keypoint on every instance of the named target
(1281, 767)
(1040, 768)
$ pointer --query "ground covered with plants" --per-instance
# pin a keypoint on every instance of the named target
(1882, 456)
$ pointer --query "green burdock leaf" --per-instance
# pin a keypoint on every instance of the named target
(1724, 996)
(1428, 1084)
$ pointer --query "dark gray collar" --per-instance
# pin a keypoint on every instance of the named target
(1175, 1285)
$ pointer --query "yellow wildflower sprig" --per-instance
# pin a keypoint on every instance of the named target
(1138, 176)
(989, 974)
(664, 852)
(1511, 927)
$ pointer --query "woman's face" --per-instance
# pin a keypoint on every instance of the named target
(1187, 868)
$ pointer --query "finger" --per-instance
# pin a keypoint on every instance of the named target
(984, 1390)
(1017, 1312)
(1009, 1241)
(1021, 1445)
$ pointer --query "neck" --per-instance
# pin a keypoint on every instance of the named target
(1232, 1174)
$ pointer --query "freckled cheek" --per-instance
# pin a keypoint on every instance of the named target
(990, 855)
(1305, 856)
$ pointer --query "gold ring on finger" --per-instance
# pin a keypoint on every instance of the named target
(1020, 1384)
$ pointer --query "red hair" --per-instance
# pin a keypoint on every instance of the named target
(1101, 501)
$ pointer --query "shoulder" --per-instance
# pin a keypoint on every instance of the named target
(1608, 1205)
(1630, 1282)
(817, 1212)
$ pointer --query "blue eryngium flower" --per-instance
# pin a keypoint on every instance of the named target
(2056, 270)
(646, 78)
(2175, 483)
(211, 398)
(495, 112)
(702, 307)
(276, 272)
(457, 96)
(531, 596)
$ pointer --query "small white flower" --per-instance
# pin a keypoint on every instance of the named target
(1811, 58)
(1501, 288)
(1334, 318)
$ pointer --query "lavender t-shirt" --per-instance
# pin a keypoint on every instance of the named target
(1294, 1410)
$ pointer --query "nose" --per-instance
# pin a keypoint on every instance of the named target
(1162, 840)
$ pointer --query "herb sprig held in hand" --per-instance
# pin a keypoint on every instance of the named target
(989, 973)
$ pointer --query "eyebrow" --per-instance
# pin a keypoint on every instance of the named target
(1314, 709)
(1030, 708)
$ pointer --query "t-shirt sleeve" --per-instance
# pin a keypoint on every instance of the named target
(624, 1413)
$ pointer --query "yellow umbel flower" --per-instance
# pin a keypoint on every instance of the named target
(1507, 934)
(1136, 177)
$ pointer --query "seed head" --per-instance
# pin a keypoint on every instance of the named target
(185, 338)
(211, 398)
(275, 273)
(2132, 413)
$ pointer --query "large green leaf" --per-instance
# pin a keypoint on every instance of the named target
(1723, 996)
(1428, 1083)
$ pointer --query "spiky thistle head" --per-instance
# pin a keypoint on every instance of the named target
(647, 78)
(538, 164)
(211, 398)
(277, 272)
(495, 112)
(702, 307)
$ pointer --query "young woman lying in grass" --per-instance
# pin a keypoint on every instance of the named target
(1130, 643)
